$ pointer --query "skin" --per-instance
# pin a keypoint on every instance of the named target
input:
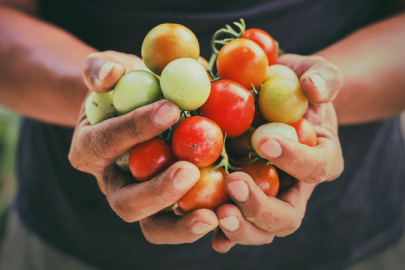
(38, 66)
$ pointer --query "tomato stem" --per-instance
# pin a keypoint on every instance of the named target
(265, 161)
(227, 31)
(225, 161)
(243, 164)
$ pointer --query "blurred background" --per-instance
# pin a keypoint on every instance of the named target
(9, 132)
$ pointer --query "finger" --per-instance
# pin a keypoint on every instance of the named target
(172, 229)
(221, 243)
(278, 217)
(102, 70)
(238, 229)
(321, 163)
(135, 201)
(320, 80)
(103, 143)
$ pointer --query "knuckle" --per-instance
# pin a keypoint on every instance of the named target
(292, 225)
(317, 59)
(120, 207)
(103, 144)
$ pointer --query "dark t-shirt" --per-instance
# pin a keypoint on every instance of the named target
(354, 216)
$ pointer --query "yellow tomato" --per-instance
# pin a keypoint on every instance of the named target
(276, 71)
(282, 100)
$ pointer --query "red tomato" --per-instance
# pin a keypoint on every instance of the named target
(150, 158)
(265, 41)
(241, 145)
(242, 61)
(197, 140)
(305, 131)
(231, 106)
(209, 191)
(265, 176)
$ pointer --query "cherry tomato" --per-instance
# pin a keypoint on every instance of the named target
(265, 41)
(185, 82)
(282, 100)
(198, 140)
(99, 107)
(135, 89)
(209, 192)
(231, 106)
(241, 145)
(282, 129)
(150, 158)
(167, 42)
(276, 71)
(242, 61)
(202, 61)
(265, 176)
(305, 131)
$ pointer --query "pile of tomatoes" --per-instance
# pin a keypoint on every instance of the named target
(222, 114)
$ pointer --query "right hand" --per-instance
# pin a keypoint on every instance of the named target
(95, 148)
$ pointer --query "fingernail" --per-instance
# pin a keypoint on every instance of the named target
(239, 190)
(183, 178)
(200, 227)
(230, 223)
(105, 70)
(319, 83)
(271, 148)
(166, 114)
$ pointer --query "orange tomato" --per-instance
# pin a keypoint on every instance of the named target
(242, 61)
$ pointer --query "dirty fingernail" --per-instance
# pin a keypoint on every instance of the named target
(183, 178)
(166, 114)
(271, 148)
(230, 223)
(200, 227)
(105, 70)
(239, 190)
(320, 84)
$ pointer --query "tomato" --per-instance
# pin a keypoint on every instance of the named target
(150, 158)
(265, 41)
(123, 162)
(231, 106)
(202, 61)
(198, 140)
(282, 100)
(99, 107)
(185, 82)
(281, 129)
(241, 145)
(136, 89)
(167, 42)
(276, 71)
(209, 191)
(242, 61)
(265, 176)
(305, 131)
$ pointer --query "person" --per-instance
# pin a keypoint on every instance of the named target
(64, 219)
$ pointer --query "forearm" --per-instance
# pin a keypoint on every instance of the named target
(372, 61)
(40, 69)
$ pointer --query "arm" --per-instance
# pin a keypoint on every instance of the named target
(41, 66)
(372, 61)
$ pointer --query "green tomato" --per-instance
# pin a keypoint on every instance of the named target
(185, 82)
(136, 89)
(99, 107)
(277, 70)
(282, 100)
(122, 161)
(281, 129)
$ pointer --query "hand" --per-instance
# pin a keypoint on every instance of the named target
(257, 219)
(95, 148)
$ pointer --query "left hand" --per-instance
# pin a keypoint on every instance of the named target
(257, 219)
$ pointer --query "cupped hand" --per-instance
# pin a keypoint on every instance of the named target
(94, 150)
(256, 218)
